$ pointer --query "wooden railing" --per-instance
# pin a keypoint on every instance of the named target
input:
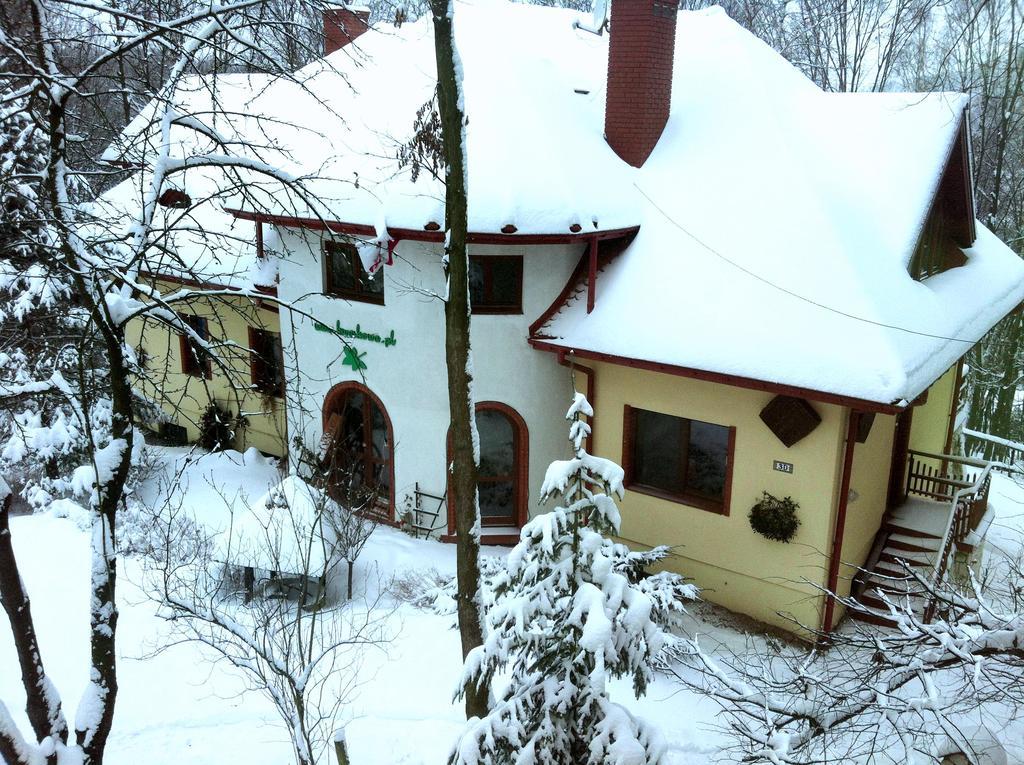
(941, 482)
(963, 482)
(993, 447)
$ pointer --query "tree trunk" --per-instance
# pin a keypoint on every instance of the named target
(92, 736)
(42, 706)
(462, 479)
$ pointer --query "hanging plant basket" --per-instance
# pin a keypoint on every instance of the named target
(775, 518)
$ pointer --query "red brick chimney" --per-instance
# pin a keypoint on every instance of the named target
(640, 51)
(342, 26)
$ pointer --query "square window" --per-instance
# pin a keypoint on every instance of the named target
(345, 276)
(687, 461)
(194, 360)
(267, 364)
(496, 283)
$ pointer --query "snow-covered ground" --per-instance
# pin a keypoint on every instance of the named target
(178, 705)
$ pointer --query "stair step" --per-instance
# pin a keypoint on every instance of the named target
(875, 602)
(906, 531)
(872, 617)
(871, 598)
(912, 543)
(910, 558)
(889, 571)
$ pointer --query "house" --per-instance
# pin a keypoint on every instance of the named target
(761, 286)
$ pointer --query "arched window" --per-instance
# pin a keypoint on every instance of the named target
(504, 465)
(360, 441)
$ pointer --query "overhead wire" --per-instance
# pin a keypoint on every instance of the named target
(789, 292)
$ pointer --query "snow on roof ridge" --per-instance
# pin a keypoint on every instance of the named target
(819, 192)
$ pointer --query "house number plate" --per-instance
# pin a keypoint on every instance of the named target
(783, 467)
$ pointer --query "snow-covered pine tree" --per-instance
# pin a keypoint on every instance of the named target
(570, 613)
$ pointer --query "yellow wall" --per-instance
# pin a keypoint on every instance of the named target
(733, 565)
(869, 489)
(930, 426)
(185, 397)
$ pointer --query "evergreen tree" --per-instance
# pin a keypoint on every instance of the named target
(572, 611)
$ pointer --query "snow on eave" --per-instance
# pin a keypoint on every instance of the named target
(432, 234)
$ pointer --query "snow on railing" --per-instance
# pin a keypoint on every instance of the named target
(1013, 451)
(964, 500)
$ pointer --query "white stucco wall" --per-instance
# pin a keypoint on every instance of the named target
(409, 377)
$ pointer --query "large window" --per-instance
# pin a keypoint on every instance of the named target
(496, 283)
(267, 365)
(358, 434)
(345, 276)
(684, 460)
(194, 360)
(498, 484)
(504, 463)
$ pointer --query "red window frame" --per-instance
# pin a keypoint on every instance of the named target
(261, 343)
(520, 475)
(720, 507)
(488, 305)
(334, 405)
(358, 291)
(194, 362)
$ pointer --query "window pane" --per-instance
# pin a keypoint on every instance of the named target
(497, 499)
(476, 282)
(380, 434)
(340, 263)
(709, 450)
(658, 451)
(352, 424)
(373, 285)
(497, 444)
(505, 282)
(276, 357)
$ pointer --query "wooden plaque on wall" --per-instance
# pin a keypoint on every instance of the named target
(790, 419)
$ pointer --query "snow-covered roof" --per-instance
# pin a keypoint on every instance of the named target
(777, 225)
(776, 220)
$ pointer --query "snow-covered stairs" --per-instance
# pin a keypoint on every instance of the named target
(912, 533)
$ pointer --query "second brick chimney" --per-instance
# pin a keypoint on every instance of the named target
(342, 26)
(640, 52)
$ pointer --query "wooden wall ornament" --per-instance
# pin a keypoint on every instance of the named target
(176, 199)
(790, 419)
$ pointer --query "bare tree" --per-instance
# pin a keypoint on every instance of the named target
(917, 693)
(69, 407)
(465, 451)
(258, 597)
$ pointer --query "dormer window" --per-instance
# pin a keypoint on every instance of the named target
(949, 228)
(936, 250)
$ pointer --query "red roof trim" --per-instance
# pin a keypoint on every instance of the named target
(185, 282)
(860, 404)
(360, 229)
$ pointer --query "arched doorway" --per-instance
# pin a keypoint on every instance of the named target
(502, 480)
(360, 440)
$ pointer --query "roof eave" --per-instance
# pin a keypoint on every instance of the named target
(749, 383)
(430, 235)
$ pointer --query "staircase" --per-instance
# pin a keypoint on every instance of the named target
(942, 507)
(912, 533)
